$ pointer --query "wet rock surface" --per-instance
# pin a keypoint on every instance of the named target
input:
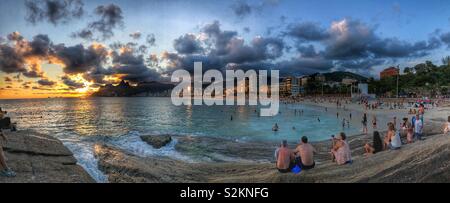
(422, 161)
(157, 141)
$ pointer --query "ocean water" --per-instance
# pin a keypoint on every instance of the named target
(82, 122)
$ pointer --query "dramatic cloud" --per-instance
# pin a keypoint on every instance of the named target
(353, 46)
(187, 44)
(53, 11)
(307, 31)
(78, 59)
(71, 84)
(221, 49)
(10, 60)
(109, 18)
(132, 67)
(46, 82)
(7, 79)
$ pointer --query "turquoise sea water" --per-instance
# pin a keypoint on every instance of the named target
(81, 123)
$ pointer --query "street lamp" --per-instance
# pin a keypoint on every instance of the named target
(398, 76)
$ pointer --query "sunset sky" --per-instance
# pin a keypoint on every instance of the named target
(52, 48)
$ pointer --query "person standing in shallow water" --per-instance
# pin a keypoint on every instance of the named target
(364, 123)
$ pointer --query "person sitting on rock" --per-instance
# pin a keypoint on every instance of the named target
(305, 154)
(5, 122)
(4, 169)
(340, 151)
(377, 144)
(285, 158)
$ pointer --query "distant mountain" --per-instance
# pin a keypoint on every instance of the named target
(124, 89)
(339, 75)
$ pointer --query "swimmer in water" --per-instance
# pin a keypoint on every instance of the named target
(275, 127)
(318, 119)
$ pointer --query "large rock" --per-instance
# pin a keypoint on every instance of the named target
(157, 141)
(38, 158)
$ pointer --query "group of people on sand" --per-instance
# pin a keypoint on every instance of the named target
(303, 155)
(5, 123)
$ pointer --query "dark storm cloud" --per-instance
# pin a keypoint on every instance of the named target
(307, 31)
(46, 82)
(241, 9)
(14, 55)
(53, 11)
(10, 60)
(7, 79)
(352, 39)
(132, 67)
(219, 38)
(109, 17)
(187, 44)
(78, 59)
(307, 51)
(222, 49)
(41, 45)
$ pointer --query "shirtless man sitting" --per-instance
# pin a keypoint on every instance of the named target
(305, 152)
(284, 158)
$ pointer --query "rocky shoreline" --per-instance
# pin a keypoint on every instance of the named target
(423, 161)
(39, 158)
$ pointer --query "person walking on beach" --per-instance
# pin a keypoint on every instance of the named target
(284, 157)
(407, 127)
(418, 127)
(305, 154)
(374, 122)
(364, 123)
(5, 171)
